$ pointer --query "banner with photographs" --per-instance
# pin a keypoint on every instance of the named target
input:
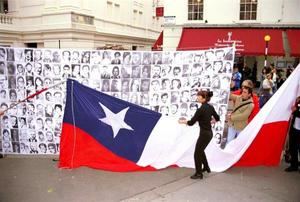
(166, 82)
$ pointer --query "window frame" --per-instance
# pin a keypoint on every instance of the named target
(195, 10)
(248, 10)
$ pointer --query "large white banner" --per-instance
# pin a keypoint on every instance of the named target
(166, 82)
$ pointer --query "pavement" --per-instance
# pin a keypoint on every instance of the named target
(35, 179)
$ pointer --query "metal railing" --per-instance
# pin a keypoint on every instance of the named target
(6, 19)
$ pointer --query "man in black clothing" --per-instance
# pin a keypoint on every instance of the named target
(294, 137)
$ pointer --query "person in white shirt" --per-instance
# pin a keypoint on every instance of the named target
(267, 90)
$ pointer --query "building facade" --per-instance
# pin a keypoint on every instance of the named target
(195, 24)
(93, 24)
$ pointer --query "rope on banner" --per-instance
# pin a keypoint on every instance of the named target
(74, 128)
(30, 97)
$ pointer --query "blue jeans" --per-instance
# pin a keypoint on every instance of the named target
(232, 134)
(263, 99)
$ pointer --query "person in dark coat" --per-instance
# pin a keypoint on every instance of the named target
(294, 137)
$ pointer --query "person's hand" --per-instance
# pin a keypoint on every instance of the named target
(232, 84)
(294, 108)
(213, 121)
(228, 117)
(1, 112)
(182, 120)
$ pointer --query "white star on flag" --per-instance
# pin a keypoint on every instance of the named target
(116, 121)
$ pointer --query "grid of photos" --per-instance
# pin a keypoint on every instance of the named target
(166, 82)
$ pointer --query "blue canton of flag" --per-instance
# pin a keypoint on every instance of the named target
(120, 126)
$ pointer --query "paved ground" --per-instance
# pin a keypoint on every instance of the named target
(39, 179)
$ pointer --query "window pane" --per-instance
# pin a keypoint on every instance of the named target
(196, 9)
(201, 16)
(253, 17)
(247, 16)
(190, 16)
(190, 8)
(248, 6)
(195, 16)
(242, 16)
(242, 7)
(254, 7)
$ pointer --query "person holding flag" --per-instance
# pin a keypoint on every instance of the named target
(294, 137)
(255, 98)
(203, 117)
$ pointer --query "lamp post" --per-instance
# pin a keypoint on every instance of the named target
(267, 38)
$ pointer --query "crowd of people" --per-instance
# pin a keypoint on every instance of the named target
(269, 80)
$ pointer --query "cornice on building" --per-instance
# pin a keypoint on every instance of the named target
(236, 25)
(74, 34)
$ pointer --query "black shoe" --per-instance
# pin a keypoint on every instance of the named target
(207, 169)
(291, 169)
(197, 176)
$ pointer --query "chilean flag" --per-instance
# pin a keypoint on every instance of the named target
(104, 132)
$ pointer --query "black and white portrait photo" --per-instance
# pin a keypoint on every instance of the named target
(2, 54)
(28, 55)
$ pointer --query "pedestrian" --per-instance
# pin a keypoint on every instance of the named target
(203, 116)
(236, 78)
(274, 77)
(267, 90)
(294, 137)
